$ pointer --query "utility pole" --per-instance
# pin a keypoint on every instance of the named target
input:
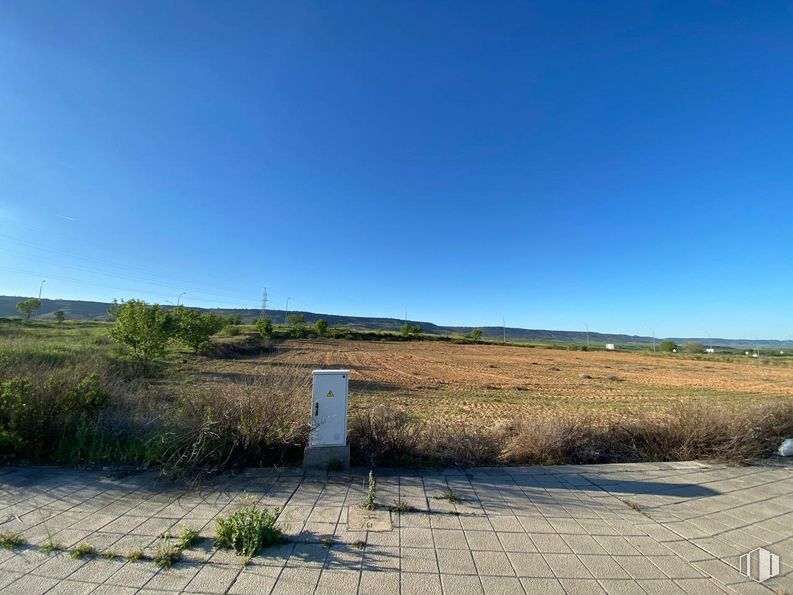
(653, 332)
(179, 298)
(43, 281)
(504, 327)
(587, 334)
(286, 312)
(264, 303)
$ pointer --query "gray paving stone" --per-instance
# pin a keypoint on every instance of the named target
(30, 584)
(457, 584)
(375, 582)
(420, 584)
(493, 564)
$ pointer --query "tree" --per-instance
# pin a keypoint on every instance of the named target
(60, 316)
(194, 328)
(321, 327)
(114, 308)
(233, 319)
(408, 330)
(265, 327)
(144, 329)
(475, 334)
(667, 346)
(694, 347)
(28, 307)
(297, 322)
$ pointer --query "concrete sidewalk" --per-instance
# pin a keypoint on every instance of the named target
(639, 528)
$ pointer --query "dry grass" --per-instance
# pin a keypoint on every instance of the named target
(387, 437)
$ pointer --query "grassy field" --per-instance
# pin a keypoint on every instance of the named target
(71, 394)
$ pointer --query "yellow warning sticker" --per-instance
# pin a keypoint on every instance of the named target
(330, 393)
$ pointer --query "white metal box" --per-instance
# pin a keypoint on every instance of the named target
(329, 408)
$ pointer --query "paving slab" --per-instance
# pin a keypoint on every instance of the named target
(637, 528)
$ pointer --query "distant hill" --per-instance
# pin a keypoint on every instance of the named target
(80, 310)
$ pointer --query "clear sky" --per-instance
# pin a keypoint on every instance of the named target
(622, 165)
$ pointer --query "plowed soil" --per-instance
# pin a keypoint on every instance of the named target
(487, 383)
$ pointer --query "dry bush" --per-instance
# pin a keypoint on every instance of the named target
(690, 432)
(384, 435)
(264, 422)
(390, 436)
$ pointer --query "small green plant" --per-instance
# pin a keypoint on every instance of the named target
(135, 555)
(449, 495)
(335, 465)
(248, 530)
(10, 541)
(50, 546)
(82, 551)
(400, 506)
(167, 553)
(188, 537)
(359, 544)
(108, 555)
(371, 492)
(327, 542)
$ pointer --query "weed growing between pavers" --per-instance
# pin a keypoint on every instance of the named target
(449, 495)
(50, 546)
(10, 541)
(135, 555)
(400, 507)
(249, 530)
(359, 544)
(167, 553)
(371, 493)
(188, 537)
(327, 542)
(635, 506)
(108, 555)
(82, 551)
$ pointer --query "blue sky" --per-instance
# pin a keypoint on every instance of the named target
(625, 165)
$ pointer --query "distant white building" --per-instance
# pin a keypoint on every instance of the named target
(710, 350)
(610, 346)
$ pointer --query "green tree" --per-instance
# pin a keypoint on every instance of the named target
(194, 328)
(265, 327)
(321, 327)
(694, 347)
(409, 330)
(233, 319)
(28, 307)
(475, 334)
(60, 316)
(297, 324)
(144, 329)
(667, 346)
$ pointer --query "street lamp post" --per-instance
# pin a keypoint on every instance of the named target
(179, 297)
(286, 312)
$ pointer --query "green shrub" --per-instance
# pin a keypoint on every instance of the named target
(194, 328)
(144, 329)
(265, 327)
(249, 530)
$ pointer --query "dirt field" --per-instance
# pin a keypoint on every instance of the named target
(487, 383)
